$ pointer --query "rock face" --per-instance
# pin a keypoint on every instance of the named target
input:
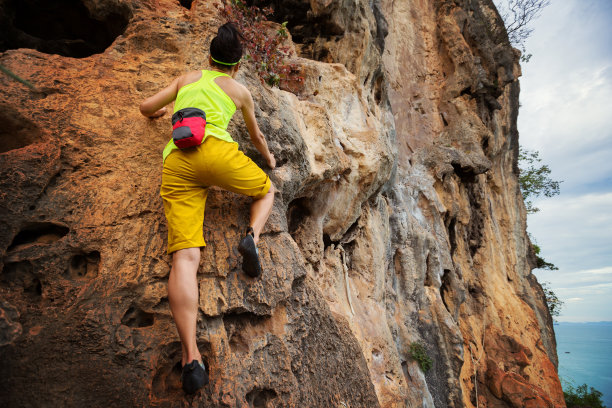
(398, 219)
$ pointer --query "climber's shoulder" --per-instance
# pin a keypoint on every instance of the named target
(188, 78)
(235, 90)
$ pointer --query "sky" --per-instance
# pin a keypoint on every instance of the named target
(566, 115)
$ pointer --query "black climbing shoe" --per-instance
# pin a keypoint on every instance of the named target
(194, 377)
(250, 255)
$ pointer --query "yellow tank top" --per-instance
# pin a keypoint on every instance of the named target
(205, 94)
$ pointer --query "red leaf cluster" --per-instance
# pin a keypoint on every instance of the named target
(263, 42)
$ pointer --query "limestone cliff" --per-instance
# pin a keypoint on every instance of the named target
(398, 217)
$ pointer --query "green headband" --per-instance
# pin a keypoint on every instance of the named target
(225, 63)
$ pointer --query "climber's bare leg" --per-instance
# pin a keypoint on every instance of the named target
(183, 297)
(260, 211)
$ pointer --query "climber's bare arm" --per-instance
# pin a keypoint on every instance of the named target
(244, 101)
(154, 106)
(258, 138)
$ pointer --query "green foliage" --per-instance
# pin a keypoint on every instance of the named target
(534, 178)
(264, 45)
(282, 31)
(552, 301)
(535, 181)
(419, 354)
(525, 57)
(541, 263)
(582, 397)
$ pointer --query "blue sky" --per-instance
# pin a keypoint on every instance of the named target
(566, 114)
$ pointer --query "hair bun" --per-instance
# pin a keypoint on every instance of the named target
(226, 46)
(228, 32)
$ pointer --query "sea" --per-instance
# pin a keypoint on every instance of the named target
(585, 356)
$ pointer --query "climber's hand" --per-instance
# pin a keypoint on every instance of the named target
(271, 161)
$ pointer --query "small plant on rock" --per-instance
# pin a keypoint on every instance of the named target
(541, 263)
(419, 354)
(552, 301)
(534, 178)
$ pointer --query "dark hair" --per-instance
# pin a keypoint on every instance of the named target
(226, 46)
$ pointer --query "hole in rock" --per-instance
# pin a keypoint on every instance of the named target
(452, 234)
(443, 117)
(445, 288)
(485, 143)
(365, 81)
(21, 274)
(475, 291)
(351, 233)
(406, 372)
(260, 398)
(378, 90)
(327, 241)
(297, 212)
(35, 288)
(476, 226)
(186, 3)
(135, 317)
(382, 26)
(236, 324)
(17, 131)
(281, 160)
(238, 344)
(163, 306)
(397, 262)
(465, 173)
(348, 246)
(84, 266)
(39, 233)
(466, 91)
(240, 318)
(428, 272)
(297, 283)
(64, 27)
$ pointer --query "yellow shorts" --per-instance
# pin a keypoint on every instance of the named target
(186, 177)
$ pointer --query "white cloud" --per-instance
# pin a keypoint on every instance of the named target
(601, 271)
(571, 128)
(565, 94)
(570, 285)
(589, 290)
(582, 303)
(574, 233)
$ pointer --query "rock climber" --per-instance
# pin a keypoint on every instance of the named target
(188, 172)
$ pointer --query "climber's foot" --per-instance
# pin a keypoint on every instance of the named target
(194, 377)
(250, 255)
